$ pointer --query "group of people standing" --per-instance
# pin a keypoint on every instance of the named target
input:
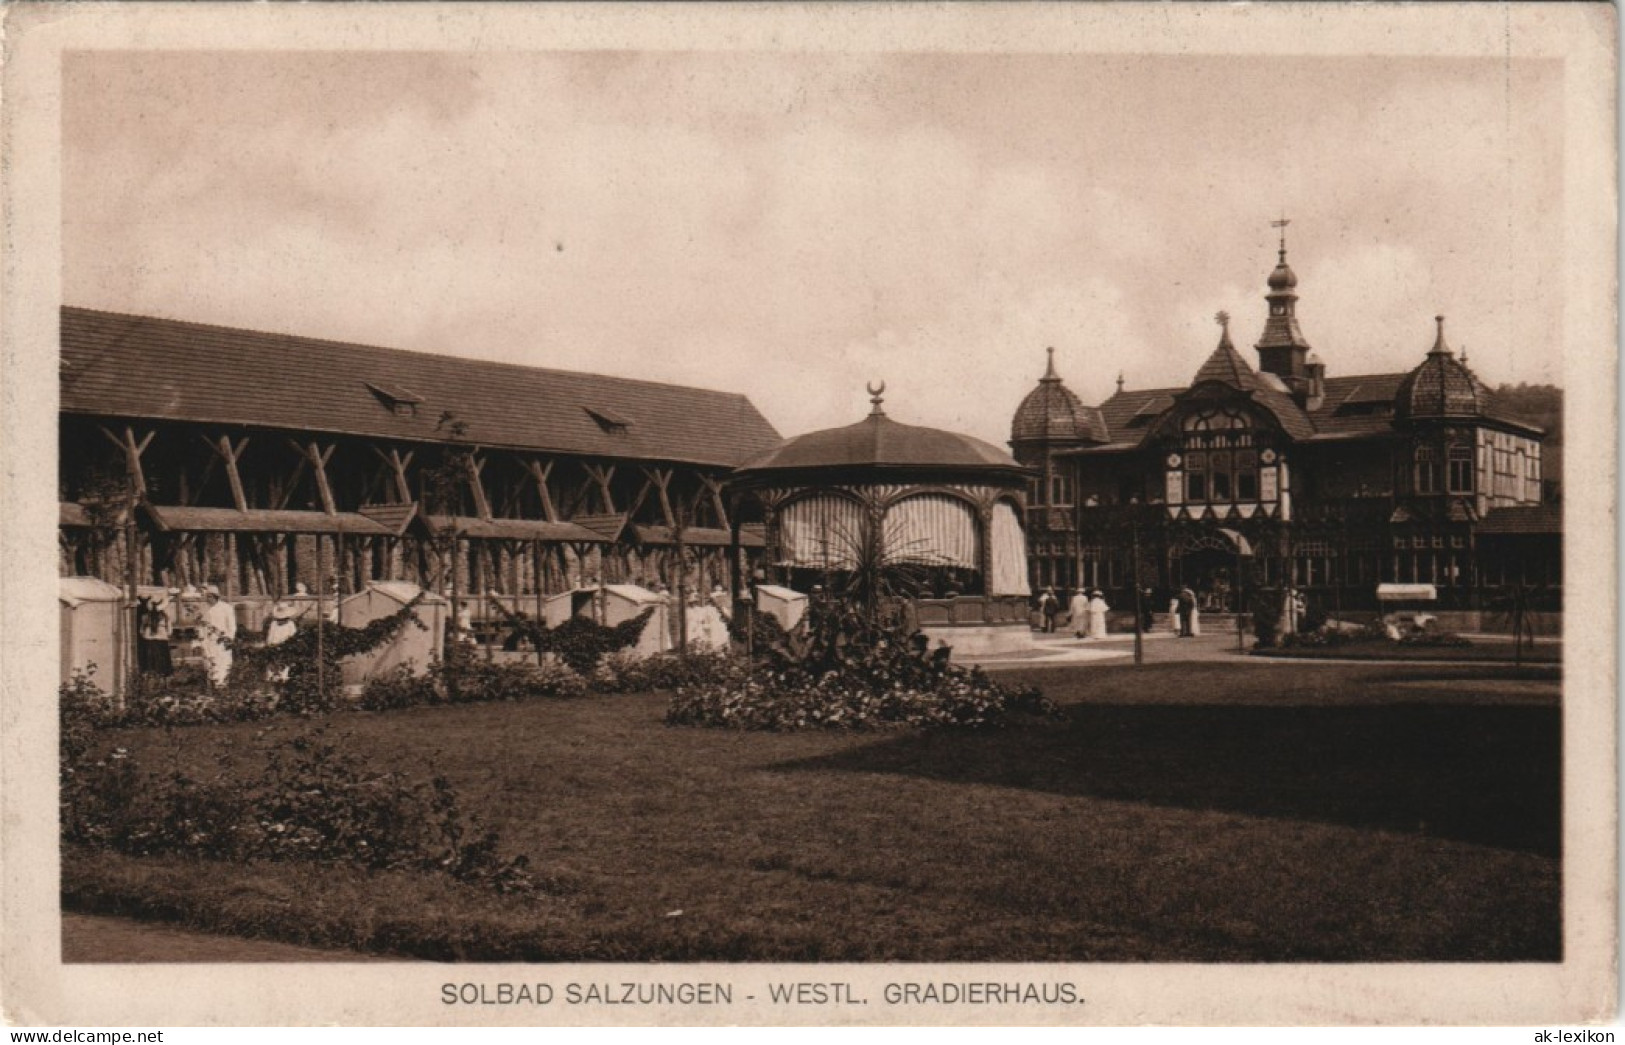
(1086, 613)
(215, 628)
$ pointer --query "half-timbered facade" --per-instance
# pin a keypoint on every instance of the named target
(195, 454)
(1282, 475)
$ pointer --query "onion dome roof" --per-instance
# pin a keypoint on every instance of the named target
(1283, 278)
(1052, 412)
(878, 441)
(1441, 386)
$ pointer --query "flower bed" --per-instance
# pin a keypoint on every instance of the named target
(852, 673)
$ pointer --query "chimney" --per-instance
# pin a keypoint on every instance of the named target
(1311, 392)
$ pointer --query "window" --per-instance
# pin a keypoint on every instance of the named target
(1461, 469)
(1427, 470)
(1246, 477)
(1196, 477)
(1219, 465)
(1060, 488)
(1221, 462)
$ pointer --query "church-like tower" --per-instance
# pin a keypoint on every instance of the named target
(1282, 348)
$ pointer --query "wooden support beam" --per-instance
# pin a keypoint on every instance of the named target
(578, 499)
(661, 478)
(603, 475)
(318, 459)
(229, 453)
(540, 471)
(132, 449)
(714, 486)
(476, 484)
(286, 495)
(398, 464)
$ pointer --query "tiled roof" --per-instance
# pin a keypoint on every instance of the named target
(261, 520)
(1120, 410)
(708, 536)
(877, 440)
(1053, 412)
(135, 366)
(511, 529)
(1533, 518)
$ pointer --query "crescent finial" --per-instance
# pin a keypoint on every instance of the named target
(874, 397)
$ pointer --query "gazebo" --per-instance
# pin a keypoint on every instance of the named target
(942, 509)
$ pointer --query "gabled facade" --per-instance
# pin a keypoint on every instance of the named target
(1330, 484)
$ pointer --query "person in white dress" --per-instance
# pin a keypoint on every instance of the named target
(1078, 613)
(1097, 615)
(280, 630)
(215, 635)
(705, 628)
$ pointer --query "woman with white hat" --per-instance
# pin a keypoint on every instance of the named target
(1097, 614)
(283, 626)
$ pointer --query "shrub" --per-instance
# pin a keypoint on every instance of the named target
(1266, 607)
(400, 687)
(314, 800)
(581, 643)
(853, 672)
(466, 678)
(185, 698)
(629, 673)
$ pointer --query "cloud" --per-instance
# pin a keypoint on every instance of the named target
(792, 226)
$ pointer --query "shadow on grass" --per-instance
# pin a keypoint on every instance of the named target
(1487, 775)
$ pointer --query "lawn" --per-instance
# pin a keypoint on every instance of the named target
(1179, 812)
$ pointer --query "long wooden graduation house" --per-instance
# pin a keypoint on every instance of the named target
(254, 461)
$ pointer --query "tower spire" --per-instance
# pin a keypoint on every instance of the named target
(1282, 348)
(1440, 348)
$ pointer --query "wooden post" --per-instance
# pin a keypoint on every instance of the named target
(321, 622)
(1139, 611)
(536, 574)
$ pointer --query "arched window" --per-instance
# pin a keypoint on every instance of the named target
(1220, 455)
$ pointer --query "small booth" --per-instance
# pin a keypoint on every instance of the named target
(412, 645)
(622, 602)
(578, 602)
(92, 627)
(1407, 608)
(785, 605)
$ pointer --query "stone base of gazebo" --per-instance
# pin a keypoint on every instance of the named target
(977, 625)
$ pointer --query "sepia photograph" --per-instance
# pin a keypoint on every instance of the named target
(894, 514)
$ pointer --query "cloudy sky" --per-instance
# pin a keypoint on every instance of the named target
(792, 226)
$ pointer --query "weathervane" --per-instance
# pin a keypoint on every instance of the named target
(1281, 224)
(875, 398)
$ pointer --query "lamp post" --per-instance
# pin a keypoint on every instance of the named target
(1139, 612)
